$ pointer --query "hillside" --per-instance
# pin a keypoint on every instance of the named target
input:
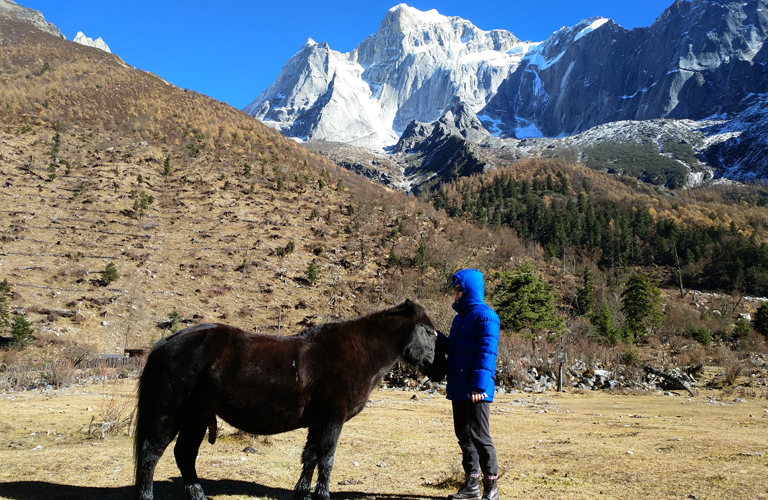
(229, 232)
(209, 215)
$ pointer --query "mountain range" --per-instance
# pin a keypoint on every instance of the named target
(695, 80)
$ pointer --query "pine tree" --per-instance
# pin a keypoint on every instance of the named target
(22, 332)
(523, 300)
(641, 305)
(312, 273)
(109, 274)
(585, 294)
(5, 297)
(393, 260)
(760, 323)
(175, 319)
(603, 320)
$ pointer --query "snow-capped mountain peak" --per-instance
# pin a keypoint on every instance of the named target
(90, 42)
(412, 68)
(701, 58)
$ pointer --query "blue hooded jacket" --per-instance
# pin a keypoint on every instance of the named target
(472, 344)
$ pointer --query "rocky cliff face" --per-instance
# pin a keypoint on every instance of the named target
(11, 9)
(412, 68)
(699, 59)
(702, 60)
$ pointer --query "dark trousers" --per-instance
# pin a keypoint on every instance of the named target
(470, 421)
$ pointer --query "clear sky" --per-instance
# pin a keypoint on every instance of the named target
(233, 50)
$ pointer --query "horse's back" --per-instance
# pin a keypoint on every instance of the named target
(247, 379)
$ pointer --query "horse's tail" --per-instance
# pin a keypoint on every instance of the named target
(146, 407)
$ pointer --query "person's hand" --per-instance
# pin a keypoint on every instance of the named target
(478, 396)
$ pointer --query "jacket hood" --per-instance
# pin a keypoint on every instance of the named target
(472, 286)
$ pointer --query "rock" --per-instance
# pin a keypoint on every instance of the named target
(349, 482)
(249, 449)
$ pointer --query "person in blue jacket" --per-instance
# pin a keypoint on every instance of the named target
(471, 348)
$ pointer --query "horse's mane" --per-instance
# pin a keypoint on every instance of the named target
(407, 309)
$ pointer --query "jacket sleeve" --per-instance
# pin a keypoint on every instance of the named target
(487, 349)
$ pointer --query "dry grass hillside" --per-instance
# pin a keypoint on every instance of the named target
(201, 209)
(208, 214)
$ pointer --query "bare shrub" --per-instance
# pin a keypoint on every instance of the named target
(246, 310)
(115, 412)
(76, 353)
(678, 317)
(728, 360)
(753, 342)
(687, 352)
(515, 355)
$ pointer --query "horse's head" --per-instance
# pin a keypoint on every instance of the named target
(417, 342)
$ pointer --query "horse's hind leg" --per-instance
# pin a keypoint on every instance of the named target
(148, 454)
(185, 451)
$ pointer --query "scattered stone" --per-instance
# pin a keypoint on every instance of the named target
(349, 482)
(381, 464)
(249, 449)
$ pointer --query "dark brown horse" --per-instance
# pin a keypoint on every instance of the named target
(266, 384)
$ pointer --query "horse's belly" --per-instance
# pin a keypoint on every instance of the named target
(263, 419)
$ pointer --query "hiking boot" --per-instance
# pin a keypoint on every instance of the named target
(470, 490)
(490, 490)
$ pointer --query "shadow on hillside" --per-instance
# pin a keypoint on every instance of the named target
(34, 490)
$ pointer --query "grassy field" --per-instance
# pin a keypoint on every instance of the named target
(558, 446)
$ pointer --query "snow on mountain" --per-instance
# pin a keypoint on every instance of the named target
(700, 58)
(90, 42)
(412, 68)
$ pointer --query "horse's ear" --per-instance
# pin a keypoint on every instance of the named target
(411, 307)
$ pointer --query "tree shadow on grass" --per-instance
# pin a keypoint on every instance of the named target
(170, 490)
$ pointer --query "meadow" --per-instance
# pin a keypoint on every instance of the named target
(575, 445)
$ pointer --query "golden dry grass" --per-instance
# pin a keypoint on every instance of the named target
(558, 446)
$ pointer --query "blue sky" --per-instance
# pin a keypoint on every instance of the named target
(232, 51)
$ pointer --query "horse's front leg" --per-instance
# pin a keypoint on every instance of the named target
(309, 461)
(318, 452)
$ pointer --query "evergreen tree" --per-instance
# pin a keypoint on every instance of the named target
(585, 294)
(175, 320)
(312, 273)
(141, 203)
(523, 300)
(22, 332)
(603, 320)
(5, 297)
(392, 260)
(641, 305)
(760, 323)
(109, 274)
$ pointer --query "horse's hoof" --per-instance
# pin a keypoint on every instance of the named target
(195, 492)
